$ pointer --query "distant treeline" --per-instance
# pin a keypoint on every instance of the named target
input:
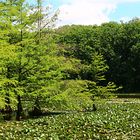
(119, 43)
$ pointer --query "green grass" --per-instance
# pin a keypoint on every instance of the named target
(113, 120)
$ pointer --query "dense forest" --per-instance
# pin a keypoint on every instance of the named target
(63, 68)
(117, 43)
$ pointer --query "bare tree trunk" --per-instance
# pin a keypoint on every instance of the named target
(19, 109)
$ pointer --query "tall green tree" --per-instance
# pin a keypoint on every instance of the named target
(35, 66)
(30, 61)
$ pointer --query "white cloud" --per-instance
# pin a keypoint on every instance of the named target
(88, 11)
(85, 12)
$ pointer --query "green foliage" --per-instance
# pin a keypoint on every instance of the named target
(2, 102)
(106, 91)
(26, 64)
(71, 95)
(118, 120)
(65, 67)
(32, 66)
(96, 69)
(117, 43)
(120, 39)
(79, 40)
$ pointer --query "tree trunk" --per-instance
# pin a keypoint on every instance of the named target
(37, 109)
(19, 108)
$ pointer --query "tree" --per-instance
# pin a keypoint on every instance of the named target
(117, 43)
(31, 60)
(36, 64)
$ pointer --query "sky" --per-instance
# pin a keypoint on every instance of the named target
(89, 12)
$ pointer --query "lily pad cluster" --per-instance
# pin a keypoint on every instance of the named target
(117, 121)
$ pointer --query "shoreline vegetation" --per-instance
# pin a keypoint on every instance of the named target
(67, 82)
(116, 120)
